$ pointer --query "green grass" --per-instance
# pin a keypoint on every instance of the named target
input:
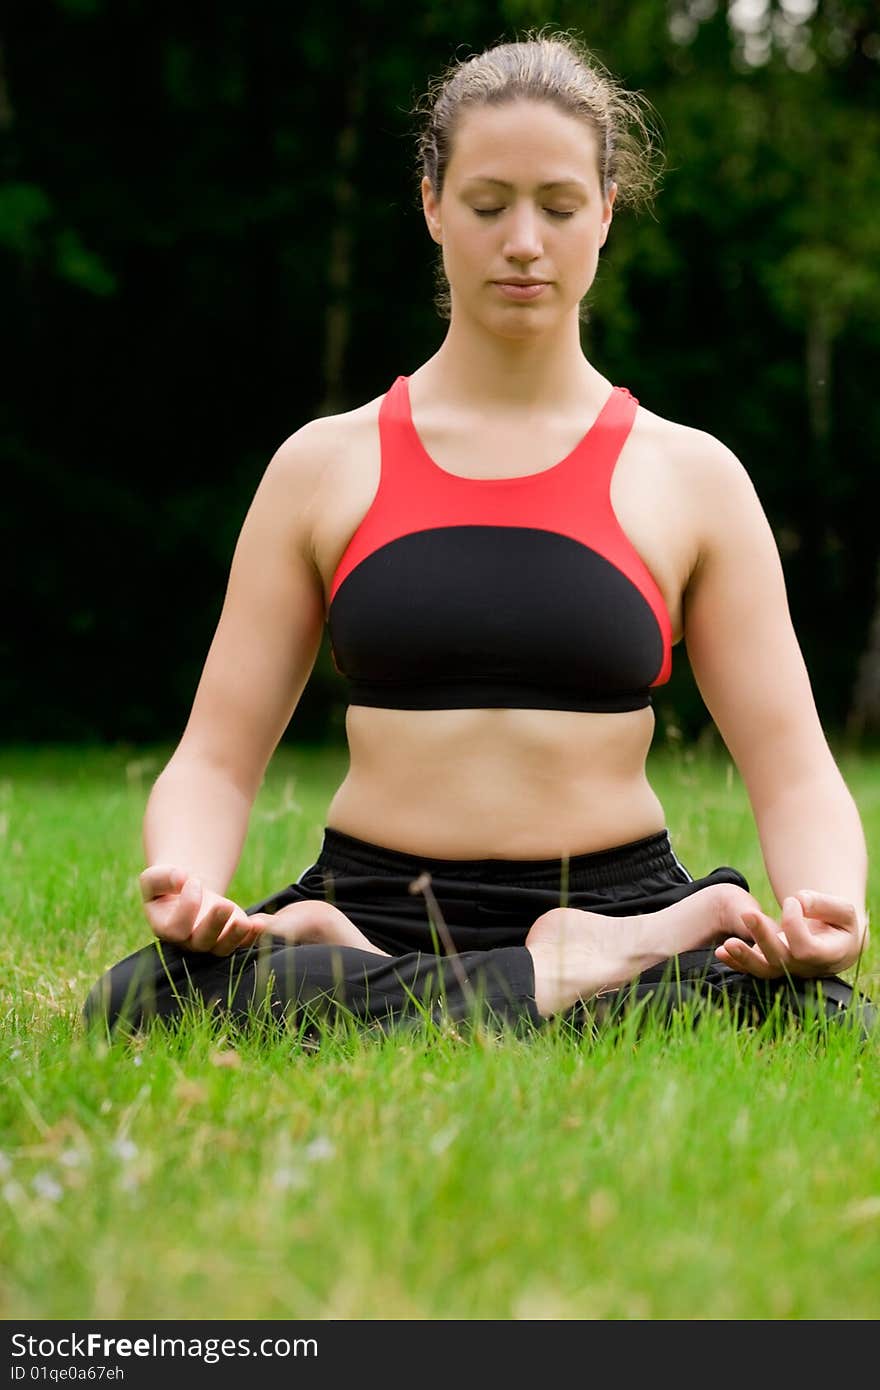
(207, 1172)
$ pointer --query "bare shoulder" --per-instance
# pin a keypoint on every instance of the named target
(701, 458)
(316, 477)
(324, 443)
(710, 482)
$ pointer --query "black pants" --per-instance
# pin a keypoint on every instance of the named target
(455, 931)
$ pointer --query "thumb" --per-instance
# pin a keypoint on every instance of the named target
(158, 879)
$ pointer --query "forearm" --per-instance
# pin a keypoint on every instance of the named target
(812, 837)
(196, 819)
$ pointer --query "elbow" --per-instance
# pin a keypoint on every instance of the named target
(200, 767)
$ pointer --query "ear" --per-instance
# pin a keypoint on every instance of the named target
(607, 212)
(431, 208)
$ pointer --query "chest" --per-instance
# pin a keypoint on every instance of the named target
(644, 495)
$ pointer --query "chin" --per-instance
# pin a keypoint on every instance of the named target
(524, 325)
(515, 322)
(520, 333)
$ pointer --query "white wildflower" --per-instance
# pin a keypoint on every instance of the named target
(289, 1179)
(320, 1149)
(45, 1186)
(442, 1140)
(124, 1148)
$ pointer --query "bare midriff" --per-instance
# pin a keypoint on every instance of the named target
(496, 783)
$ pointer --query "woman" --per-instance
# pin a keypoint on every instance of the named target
(505, 547)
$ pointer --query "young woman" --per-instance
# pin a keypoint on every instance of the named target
(506, 547)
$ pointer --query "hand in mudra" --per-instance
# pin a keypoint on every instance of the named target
(818, 935)
(181, 910)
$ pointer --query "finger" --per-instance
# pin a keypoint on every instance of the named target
(230, 928)
(207, 929)
(838, 911)
(822, 948)
(810, 950)
(161, 878)
(773, 947)
(740, 930)
(184, 913)
(237, 933)
(173, 918)
(748, 959)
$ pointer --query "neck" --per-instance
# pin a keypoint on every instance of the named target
(475, 367)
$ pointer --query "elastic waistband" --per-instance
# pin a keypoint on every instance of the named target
(602, 868)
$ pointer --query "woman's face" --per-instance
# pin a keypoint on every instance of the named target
(521, 200)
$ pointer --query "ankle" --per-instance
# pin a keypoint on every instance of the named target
(564, 975)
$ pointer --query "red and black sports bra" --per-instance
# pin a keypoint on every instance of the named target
(468, 593)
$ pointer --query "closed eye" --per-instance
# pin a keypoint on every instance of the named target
(493, 212)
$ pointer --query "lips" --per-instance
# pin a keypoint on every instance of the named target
(517, 289)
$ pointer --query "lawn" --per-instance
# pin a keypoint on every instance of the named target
(647, 1173)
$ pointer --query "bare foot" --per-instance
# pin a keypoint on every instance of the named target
(314, 922)
(578, 954)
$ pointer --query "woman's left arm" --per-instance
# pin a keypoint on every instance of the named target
(751, 674)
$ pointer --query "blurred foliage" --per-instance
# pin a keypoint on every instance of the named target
(175, 178)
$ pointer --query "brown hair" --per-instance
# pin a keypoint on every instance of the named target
(550, 67)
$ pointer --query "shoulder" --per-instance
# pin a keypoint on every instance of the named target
(311, 471)
(702, 458)
(314, 454)
(711, 482)
(314, 484)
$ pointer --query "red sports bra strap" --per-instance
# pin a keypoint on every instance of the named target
(394, 432)
(608, 436)
(602, 443)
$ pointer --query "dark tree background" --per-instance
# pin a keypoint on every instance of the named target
(209, 234)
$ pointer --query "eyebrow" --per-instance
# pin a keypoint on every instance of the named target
(553, 183)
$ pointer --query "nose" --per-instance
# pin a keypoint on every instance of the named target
(523, 242)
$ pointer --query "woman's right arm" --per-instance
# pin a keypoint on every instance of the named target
(261, 656)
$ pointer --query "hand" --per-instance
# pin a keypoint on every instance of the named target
(181, 910)
(824, 943)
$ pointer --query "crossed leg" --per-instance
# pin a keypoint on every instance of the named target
(576, 954)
